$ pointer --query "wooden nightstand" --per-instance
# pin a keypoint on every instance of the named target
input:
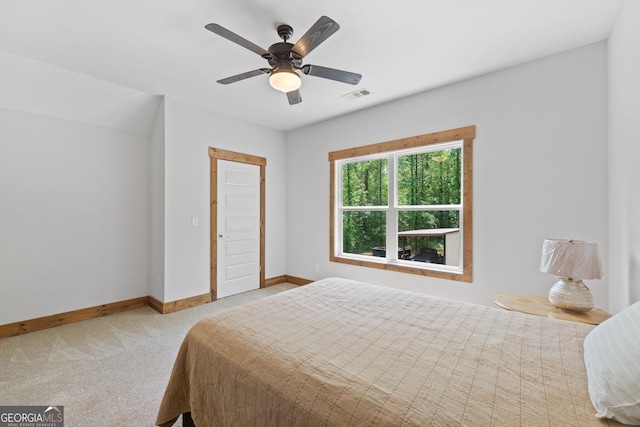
(540, 306)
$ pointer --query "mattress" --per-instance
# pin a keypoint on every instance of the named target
(343, 353)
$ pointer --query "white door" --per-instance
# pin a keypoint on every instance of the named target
(238, 254)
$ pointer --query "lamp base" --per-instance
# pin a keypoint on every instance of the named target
(572, 295)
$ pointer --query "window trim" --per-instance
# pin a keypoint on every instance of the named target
(466, 135)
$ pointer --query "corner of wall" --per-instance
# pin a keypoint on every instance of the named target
(157, 203)
(624, 157)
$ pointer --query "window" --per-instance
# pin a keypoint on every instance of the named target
(405, 205)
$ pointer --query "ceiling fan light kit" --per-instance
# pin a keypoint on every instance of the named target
(285, 80)
(285, 58)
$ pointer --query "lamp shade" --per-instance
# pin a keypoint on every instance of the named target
(574, 259)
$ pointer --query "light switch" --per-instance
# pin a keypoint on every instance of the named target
(195, 221)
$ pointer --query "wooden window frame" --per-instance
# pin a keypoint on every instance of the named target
(464, 134)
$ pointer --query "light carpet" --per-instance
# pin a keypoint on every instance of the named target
(108, 371)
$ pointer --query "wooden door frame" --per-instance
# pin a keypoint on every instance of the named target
(216, 154)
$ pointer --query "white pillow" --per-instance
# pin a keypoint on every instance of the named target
(612, 358)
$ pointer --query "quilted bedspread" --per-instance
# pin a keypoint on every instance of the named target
(343, 353)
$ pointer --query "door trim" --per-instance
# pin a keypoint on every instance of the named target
(216, 154)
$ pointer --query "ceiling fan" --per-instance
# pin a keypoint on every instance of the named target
(285, 58)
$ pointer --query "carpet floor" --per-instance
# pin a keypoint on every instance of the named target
(108, 371)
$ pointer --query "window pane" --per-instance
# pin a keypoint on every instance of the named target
(431, 178)
(362, 231)
(431, 236)
(365, 183)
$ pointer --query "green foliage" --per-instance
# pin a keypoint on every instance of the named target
(425, 179)
(362, 231)
(366, 183)
(431, 178)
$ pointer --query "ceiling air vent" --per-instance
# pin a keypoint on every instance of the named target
(360, 93)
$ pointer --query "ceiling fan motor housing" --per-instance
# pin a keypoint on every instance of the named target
(283, 57)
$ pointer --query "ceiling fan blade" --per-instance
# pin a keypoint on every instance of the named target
(294, 97)
(332, 73)
(243, 76)
(319, 32)
(231, 36)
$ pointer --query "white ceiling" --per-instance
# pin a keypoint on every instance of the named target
(160, 47)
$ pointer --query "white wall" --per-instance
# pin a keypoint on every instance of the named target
(189, 132)
(74, 211)
(74, 190)
(98, 185)
(624, 157)
(540, 171)
(40, 88)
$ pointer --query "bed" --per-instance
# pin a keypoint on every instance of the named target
(343, 353)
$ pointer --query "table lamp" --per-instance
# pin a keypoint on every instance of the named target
(572, 261)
